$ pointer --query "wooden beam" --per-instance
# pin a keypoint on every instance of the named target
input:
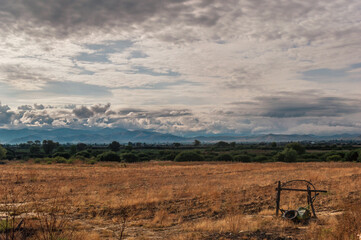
(299, 190)
(310, 200)
(278, 197)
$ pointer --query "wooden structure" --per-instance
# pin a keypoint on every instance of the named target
(310, 190)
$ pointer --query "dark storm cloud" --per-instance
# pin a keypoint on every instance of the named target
(25, 107)
(6, 115)
(83, 112)
(295, 105)
(100, 109)
(39, 106)
(65, 17)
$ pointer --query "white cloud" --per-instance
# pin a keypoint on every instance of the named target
(192, 54)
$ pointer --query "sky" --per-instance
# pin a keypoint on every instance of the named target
(186, 67)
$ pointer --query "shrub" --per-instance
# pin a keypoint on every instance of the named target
(260, 158)
(225, 157)
(290, 155)
(37, 160)
(279, 157)
(60, 159)
(287, 155)
(92, 161)
(299, 148)
(108, 157)
(70, 161)
(186, 156)
(144, 157)
(352, 156)
(130, 157)
(2, 152)
(114, 146)
(242, 158)
(167, 155)
(62, 154)
(334, 158)
(84, 153)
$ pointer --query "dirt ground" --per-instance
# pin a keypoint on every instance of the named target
(167, 200)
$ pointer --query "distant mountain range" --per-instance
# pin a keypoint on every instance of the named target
(107, 135)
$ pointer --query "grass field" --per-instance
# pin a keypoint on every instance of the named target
(167, 200)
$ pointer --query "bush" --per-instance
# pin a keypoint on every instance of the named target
(290, 155)
(334, 158)
(108, 157)
(352, 156)
(242, 158)
(260, 158)
(225, 157)
(144, 157)
(299, 148)
(59, 159)
(92, 161)
(2, 152)
(187, 156)
(62, 154)
(130, 157)
(85, 154)
(287, 155)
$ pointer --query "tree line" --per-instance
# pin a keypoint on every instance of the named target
(49, 151)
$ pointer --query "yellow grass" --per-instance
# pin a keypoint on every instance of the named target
(177, 200)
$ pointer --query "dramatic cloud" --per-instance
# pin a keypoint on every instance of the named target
(182, 66)
(83, 112)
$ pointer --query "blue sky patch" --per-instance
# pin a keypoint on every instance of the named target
(76, 88)
(103, 50)
(148, 71)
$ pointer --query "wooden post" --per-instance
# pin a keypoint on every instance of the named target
(309, 198)
(278, 197)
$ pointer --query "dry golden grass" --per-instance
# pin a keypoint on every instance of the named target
(178, 200)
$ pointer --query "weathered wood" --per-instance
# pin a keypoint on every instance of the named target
(300, 190)
(311, 202)
(309, 191)
(278, 197)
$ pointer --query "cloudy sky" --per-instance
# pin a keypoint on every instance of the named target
(182, 66)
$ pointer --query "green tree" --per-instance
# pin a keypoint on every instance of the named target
(298, 147)
(114, 146)
(130, 157)
(109, 157)
(334, 158)
(242, 158)
(2, 152)
(186, 156)
(81, 146)
(72, 149)
(352, 156)
(196, 143)
(287, 155)
(222, 144)
(49, 146)
(225, 157)
(290, 155)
